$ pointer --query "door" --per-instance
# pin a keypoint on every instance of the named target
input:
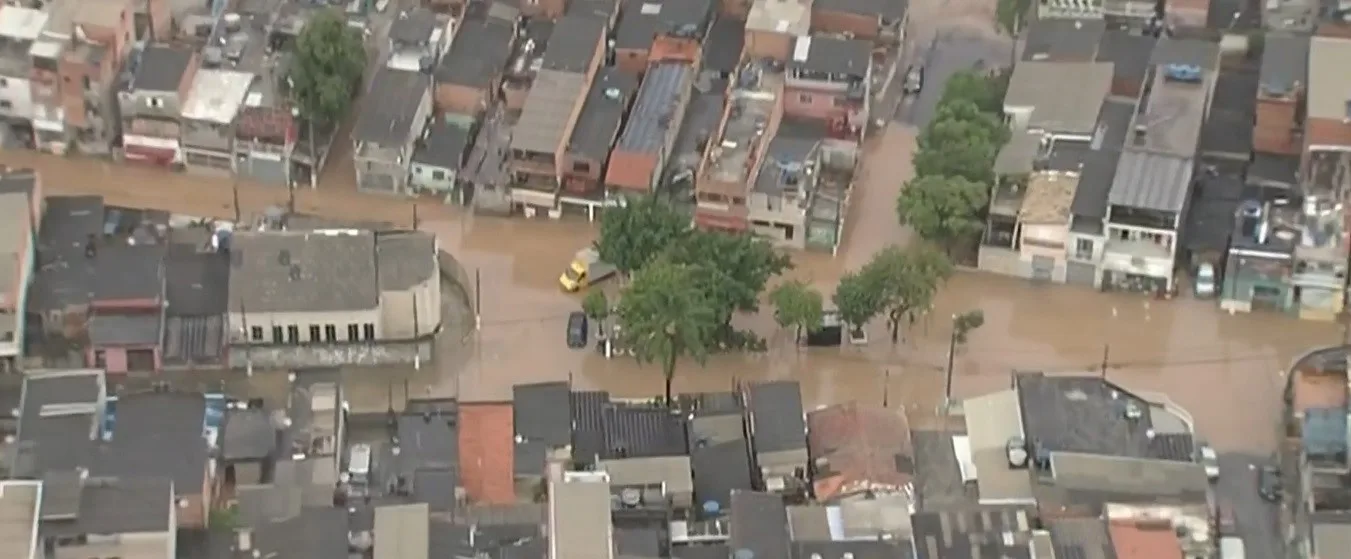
(1080, 273)
(1043, 268)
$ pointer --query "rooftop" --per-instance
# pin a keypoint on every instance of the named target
(860, 449)
(719, 469)
(776, 418)
(444, 143)
(598, 125)
(573, 44)
(641, 21)
(1064, 97)
(1151, 181)
(579, 516)
(1172, 109)
(427, 441)
(547, 113)
(1004, 532)
(992, 421)
(636, 431)
(829, 55)
(1092, 481)
(158, 434)
(1285, 59)
(1097, 164)
(1048, 197)
(60, 420)
(657, 107)
(414, 27)
(1144, 541)
(21, 23)
(785, 165)
(1063, 39)
(402, 531)
(1128, 53)
(788, 17)
(390, 106)
(217, 95)
(105, 506)
(248, 434)
(66, 275)
(1329, 87)
(750, 111)
(315, 533)
(316, 271)
(724, 44)
(1090, 415)
(1080, 537)
(160, 68)
(478, 54)
(888, 11)
(1186, 52)
(759, 525)
(19, 502)
(672, 472)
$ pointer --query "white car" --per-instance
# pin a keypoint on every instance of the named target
(1210, 461)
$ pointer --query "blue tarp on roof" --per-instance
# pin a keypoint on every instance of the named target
(1325, 431)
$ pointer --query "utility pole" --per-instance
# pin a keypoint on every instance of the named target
(415, 219)
(1106, 352)
(886, 387)
(952, 354)
(478, 299)
(234, 190)
(417, 342)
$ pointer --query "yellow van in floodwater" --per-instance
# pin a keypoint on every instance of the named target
(585, 270)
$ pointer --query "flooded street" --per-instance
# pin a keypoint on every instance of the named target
(1223, 369)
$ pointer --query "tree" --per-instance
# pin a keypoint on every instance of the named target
(858, 297)
(909, 281)
(973, 87)
(797, 305)
(634, 234)
(944, 210)
(327, 64)
(665, 316)
(964, 323)
(739, 265)
(596, 305)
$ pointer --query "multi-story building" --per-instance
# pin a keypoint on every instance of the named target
(418, 38)
(863, 20)
(152, 104)
(1321, 257)
(647, 143)
(208, 122)
(75, 63)
(393, 114)
(732, 158)
(19, 27)
(574, 53)
(469, 75)
(641, 25)
(801, 190)
(830, 80)
(597, 129)
(265, 138)
(773, 26)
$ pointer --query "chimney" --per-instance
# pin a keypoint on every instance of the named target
(91, 248)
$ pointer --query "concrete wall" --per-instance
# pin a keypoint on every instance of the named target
(397, 314)
(290, 357)
(266, 321)
(423, 177)
(1002, 261)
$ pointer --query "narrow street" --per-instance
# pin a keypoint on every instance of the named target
(1223, 369)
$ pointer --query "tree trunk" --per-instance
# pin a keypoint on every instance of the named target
(668, 371)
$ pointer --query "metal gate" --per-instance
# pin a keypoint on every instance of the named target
(1079, 273)
(1043, 268)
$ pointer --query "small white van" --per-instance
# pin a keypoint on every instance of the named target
(359, 463)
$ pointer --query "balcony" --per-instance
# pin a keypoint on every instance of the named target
(1140, 257)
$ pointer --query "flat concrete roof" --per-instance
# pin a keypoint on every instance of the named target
(991, 421)
(19, 518)
(217, 95)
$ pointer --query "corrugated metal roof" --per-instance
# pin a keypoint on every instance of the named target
(656, 109)
(548, 110)
(1151, 181)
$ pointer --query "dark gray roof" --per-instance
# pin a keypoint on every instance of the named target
(436, 488)
(248, 434)
(427, 441)
(1097, 167)
(1088, 415)
(718, 470)
(604, 10)
(759, 524)
(478, 54)
(1151, 181)
(887, 10)
(194, 339)
(110, 506)
(1083, 538)
(853, 550)
(18, 182)
(158, 434)
(413, 27)
(702, 114)
(161, 68)
(974, 533)
(638, 542)
(777, 423)
(303, 271)
(444, 144)
(1285, 61)
(404, 259)
(317, 533)
(1210, 218)
(573, 43)
(588, 425)
(543, 412)
(641, 21)
(598, 125)
(639, 431)
(657, 108)
(712, 551)
(128, 272)
(66, 441)
(65, 275)
(784, 152)
(1064, 39)
(831, 55)
(1190, 52)
(724, 44)
(1128, 53)
(196, 283)
(1276, 169)
(138, 329)
(938, 476)
(1228, 128)
(389, 107)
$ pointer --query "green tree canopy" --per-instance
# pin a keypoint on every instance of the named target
(665, 316)
(596, 305)
(797, 305)
(909, 279)
(328, 62)
(633, 235)
(859, 297)
(973, 87)
(943, 209)
(740, 266)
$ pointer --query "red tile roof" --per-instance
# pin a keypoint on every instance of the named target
(1136, 540)
(487, 452)
(268, 124)
(857, 448)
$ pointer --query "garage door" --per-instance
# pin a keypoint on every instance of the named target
(1043, 268)
(1079, 273)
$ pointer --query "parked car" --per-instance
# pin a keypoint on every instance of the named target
(1210, 461)
(1269, 483)
(1206, 282)
(577, 330)
(914, 80)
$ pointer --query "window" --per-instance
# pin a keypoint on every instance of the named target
(154, 102)
(438, 175)
(256, 333)
(293, 334)
(353, 333)
(330, 333)
(581, 167)
(315, 336)
(804, 98)
(277, 335)
(368, 331)
(1083, 249)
